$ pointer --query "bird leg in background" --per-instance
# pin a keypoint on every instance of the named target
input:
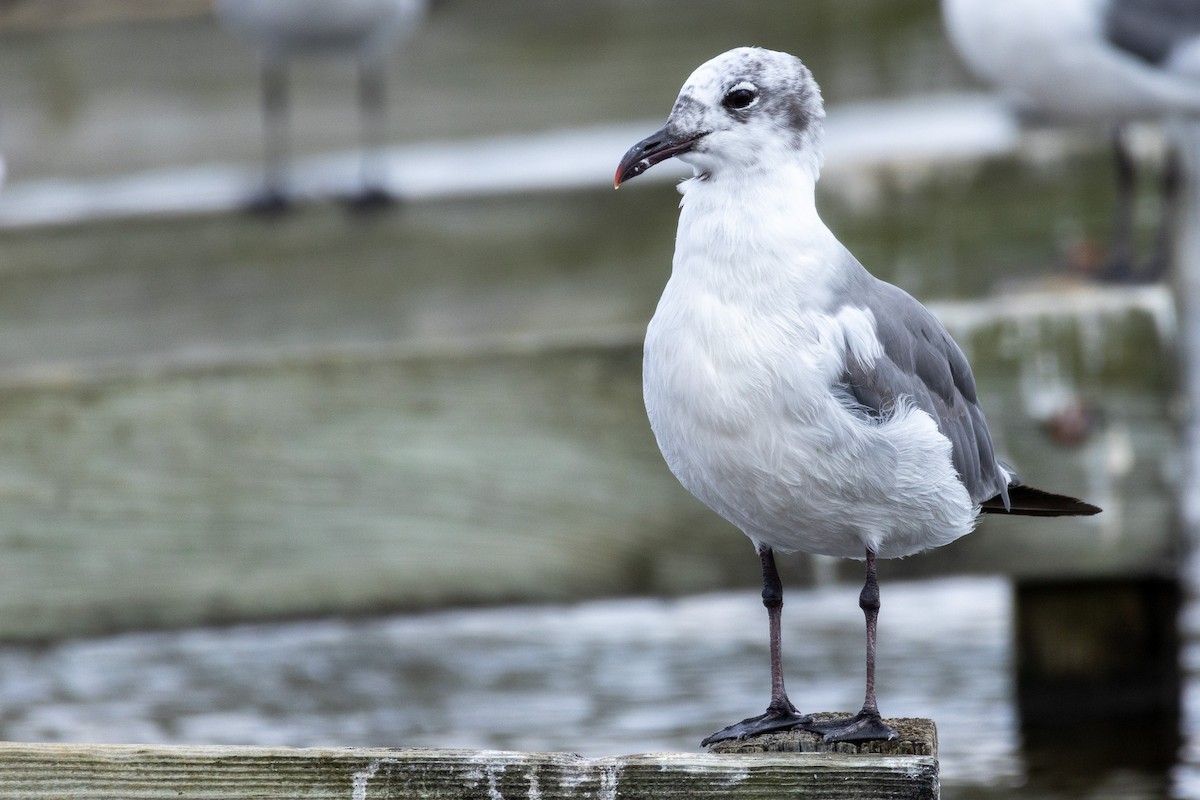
(781, 715)
(1121, 267)
(1120, 256)
(1168, 211)
(372, 97)
(275, 138)
(867, 725)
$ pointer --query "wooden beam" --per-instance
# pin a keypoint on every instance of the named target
(918, 737)
(92, 772)
(329, 483)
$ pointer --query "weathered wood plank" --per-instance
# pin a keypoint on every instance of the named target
(516, 468)
(918, 737)
(325, 416)
(338, 486)
(137, 772)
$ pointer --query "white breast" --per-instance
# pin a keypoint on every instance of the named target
(739, 368)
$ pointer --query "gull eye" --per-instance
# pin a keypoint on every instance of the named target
(740, 97)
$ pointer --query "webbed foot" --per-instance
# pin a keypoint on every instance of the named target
(865, 726)
(775, 719)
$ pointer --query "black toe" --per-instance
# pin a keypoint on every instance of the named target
(370, 200)
(269, 203)
(773, 720)
(863, 727)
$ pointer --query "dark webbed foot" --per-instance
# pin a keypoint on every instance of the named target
(776, 719)
(865, 726)
(269, 202)
(1122, 271)
(370, 200)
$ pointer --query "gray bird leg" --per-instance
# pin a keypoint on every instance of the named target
(781, 715)
(372, 96)
(275, 136)
(867, 725)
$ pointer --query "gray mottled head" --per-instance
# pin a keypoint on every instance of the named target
(746, 109)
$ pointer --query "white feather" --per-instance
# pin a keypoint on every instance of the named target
(744, 352)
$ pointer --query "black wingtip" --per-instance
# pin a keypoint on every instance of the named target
(1031, 502)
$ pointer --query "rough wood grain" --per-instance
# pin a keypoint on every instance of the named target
(918, 737)
(333, 482)
(323, 417)
(133, 772)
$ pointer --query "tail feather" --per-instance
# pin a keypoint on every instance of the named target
(1036, 503)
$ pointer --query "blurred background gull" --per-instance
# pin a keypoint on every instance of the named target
(281, 481)
(362, 30)
(1112, 62)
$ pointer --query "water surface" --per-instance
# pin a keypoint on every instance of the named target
(599, 678)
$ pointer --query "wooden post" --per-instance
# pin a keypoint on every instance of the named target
(146, 772)
(1098, 676)
(918, 737)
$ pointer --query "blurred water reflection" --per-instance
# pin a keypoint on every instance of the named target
(600, 678)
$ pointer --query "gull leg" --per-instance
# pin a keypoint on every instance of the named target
(1120, 258)
(1121, 267)
(867, 725)
(371, 102)
(273, 197)
(781, 714)
(1160, 256)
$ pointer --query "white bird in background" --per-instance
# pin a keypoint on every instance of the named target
(812, 405)
(364, 30)
(1108, 61)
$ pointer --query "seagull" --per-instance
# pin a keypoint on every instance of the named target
(286, 29)
(810, 404)
(1107, 61)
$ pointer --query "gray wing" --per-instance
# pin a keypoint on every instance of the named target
(921, 362)
(1151, 29)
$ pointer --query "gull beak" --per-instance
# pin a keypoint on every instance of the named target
(658, 146)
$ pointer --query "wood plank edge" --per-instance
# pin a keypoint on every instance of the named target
(41, 770)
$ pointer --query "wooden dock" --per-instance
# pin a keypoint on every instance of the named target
(310, 482)
(794, 765)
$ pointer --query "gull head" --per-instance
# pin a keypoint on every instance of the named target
(746, 110)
